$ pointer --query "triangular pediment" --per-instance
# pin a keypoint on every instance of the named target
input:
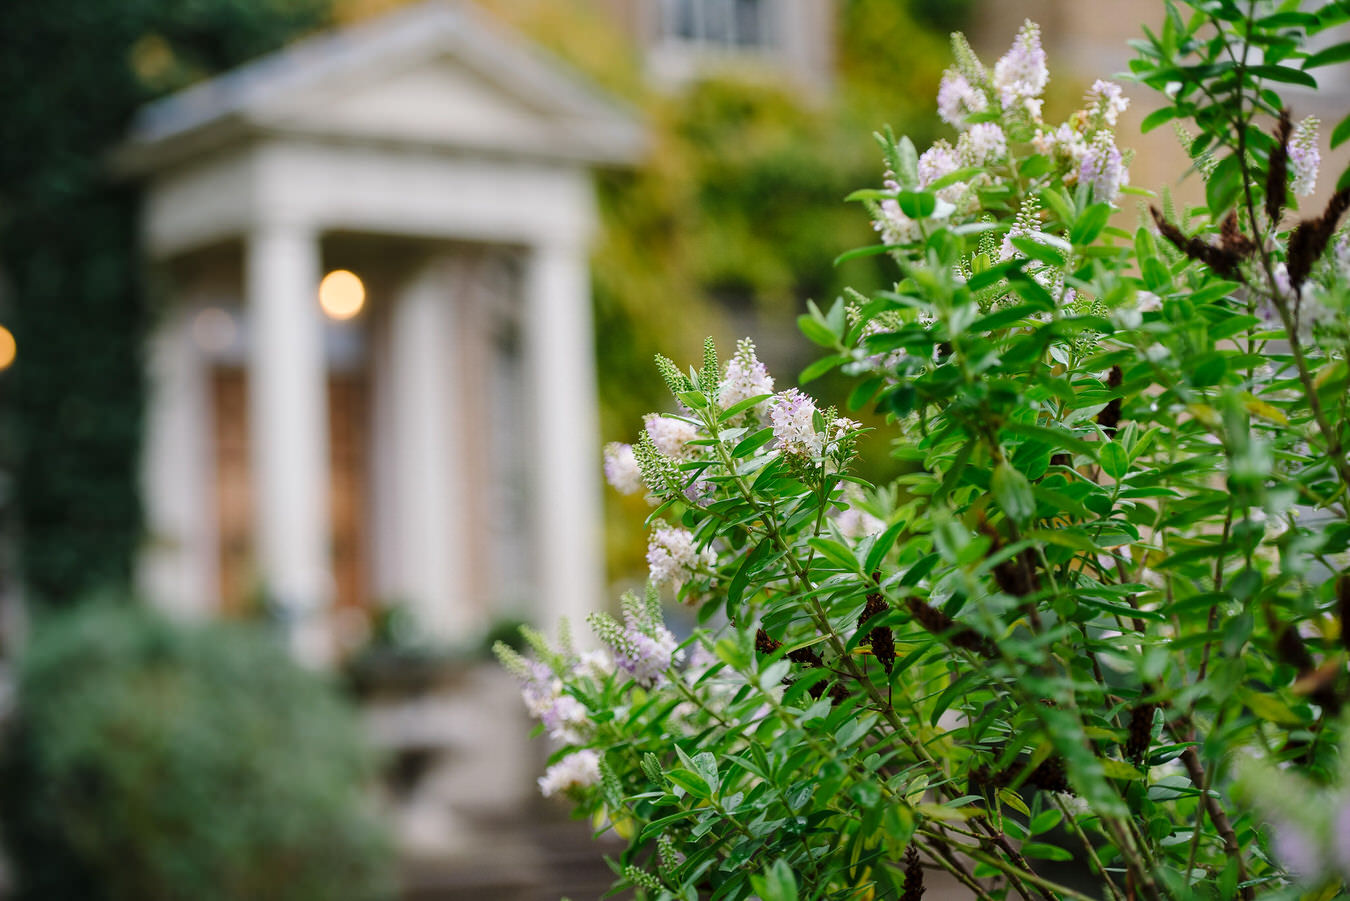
(437, 101)
(438, 74)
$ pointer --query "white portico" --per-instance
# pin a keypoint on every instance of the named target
(440, 448)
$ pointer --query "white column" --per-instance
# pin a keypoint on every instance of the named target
(430, 552)
(288, 412)
(560, 365)
(177, 566)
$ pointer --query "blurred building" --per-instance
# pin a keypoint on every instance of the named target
(372, 375)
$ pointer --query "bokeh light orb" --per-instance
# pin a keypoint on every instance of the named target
(341, 294)
(9, 348)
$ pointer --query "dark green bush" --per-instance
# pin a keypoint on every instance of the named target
(149, 760)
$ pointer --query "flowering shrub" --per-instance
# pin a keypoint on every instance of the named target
(1110, 572)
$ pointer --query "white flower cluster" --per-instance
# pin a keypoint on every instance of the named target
(672, 557)
(565, 718)
(671, 435)
(1107, 100)
(746, 377)
(1081, 150)
(958, 98)
(580, 769)
(794, 428)
(1304, 158)
(621, 468)
(1103, 167)
(1021, 75)
(643, 647)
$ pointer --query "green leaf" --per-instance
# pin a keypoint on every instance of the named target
(750, 564)
(817, 331)
(705, 764)
(1013, 493)
(1090, 224)
(1035, 250)
(737, 409)
(1158, 117)
(836, 553)
(692, 783)
(995, 274)
(1270, 708)
(1208, 370)
(1030, 290)
(952, 178)
(1043, 851)
(777, 883)
(916, 204)
(1341, 133)
(820, 367)
(1056, 437)
(1221, 191)
(1115, 462)
(1284, 75)
(1336, 53)
(881, 546)
(1119, 769)
(749, 445)
(1045, 821)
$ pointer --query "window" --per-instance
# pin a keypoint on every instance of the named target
(719, 23)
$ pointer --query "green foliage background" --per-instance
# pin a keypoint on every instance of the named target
(150, 760)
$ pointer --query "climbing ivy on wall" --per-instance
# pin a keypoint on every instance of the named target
(735, 219)
(72, 72)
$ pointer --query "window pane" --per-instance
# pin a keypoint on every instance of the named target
(751, 23)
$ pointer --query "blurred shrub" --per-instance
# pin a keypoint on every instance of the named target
(154, 761)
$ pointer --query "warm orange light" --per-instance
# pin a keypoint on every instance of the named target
(8, 347)
(341, 294)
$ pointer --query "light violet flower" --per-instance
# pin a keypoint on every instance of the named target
(672, 557)
(648, 656)
(1340, 837)
(597, 664)
(1065, 145)
(643, 647)
(745, 377)
(887, 360)
(893, 225)
(621, 468)
(958, 98)
(1299, 851)
(670, 435)
(794, 427)
(1021, 74)
(699, 491)
(982, 144)
(1340, 255)
(540, 689)
(842, 427)
(567, 720)
(578, 770)
(1304, 159)
(1104, 168)
(1107, 99)
(936, 162)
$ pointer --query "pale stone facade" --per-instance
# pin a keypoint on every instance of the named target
(450, 165)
